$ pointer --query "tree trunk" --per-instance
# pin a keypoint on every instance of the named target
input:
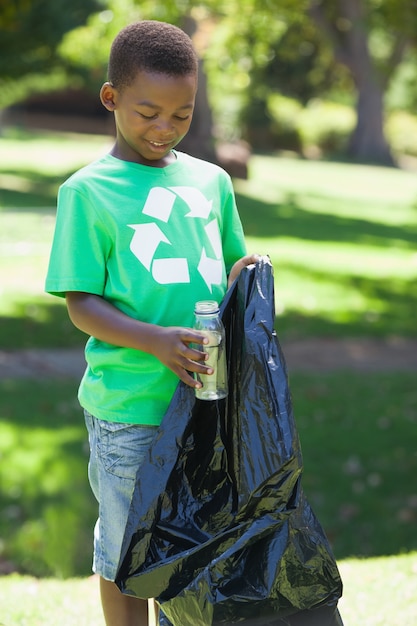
(349, 37)
(199, 140)
(368, 143)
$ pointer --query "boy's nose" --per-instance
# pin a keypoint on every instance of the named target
(165, 127)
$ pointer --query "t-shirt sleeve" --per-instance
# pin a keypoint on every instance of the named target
(80, 246)
(233, 240)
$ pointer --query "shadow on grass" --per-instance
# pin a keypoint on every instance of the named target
(289, 219)
(36, 323)
(28, 188)
(260, 219)
(44, 323)
(357, 436)
(48, 511)
(393, 303)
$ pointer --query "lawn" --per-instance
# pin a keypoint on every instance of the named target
(377, 592)
(358, 442)
(342, 239)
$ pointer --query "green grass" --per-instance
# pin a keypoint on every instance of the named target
(342, 239)
(32, 165)
(28, 601)
(358, 441)
(377, 592)
(47, 507)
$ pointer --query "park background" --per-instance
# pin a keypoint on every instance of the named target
(312, 108)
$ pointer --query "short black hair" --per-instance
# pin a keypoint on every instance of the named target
(150, 46)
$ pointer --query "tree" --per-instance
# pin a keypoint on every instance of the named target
(31, 31)
(369, 37)
(364, 43)
(253, 48)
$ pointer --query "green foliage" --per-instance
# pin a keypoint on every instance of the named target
(32, 31)
(240, 49)
(402, 132)
(252, 50)
(327, 126)
(31, 34)
(321, 127)
(402, 92)
(284, 128)
(85, 50)
(13, 91)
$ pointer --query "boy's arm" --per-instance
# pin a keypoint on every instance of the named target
(99, 318)
(239, 265)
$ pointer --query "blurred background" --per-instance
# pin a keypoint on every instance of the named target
(311, 106)
(315, 77)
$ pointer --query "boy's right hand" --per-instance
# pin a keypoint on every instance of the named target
(171, 346)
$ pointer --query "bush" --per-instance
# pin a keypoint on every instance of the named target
(285, 113)
(401, 132)
(326, 126)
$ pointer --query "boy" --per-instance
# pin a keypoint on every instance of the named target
(142, 234)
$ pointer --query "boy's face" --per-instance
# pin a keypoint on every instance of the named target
(152, 115)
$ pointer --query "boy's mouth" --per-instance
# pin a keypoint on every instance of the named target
(158, 145)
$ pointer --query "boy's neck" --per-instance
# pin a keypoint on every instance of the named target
(134, 157)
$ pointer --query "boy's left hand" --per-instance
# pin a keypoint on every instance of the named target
(239, 265)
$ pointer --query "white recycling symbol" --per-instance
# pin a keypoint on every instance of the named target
(147, 237)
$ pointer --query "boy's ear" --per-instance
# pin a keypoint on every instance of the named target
(108, 96)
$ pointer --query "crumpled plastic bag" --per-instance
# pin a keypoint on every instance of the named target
(219, 529)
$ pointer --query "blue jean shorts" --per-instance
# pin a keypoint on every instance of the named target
(116, 453)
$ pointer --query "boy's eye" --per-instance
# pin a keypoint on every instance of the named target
(147, 117)
(181, 118)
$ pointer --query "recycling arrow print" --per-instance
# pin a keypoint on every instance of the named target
(210, 270)
(144, 245)
(197, 202)
(213, 234)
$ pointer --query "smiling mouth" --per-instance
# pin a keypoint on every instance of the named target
(158, 144)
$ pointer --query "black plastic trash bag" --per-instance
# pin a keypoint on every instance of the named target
(219, 530)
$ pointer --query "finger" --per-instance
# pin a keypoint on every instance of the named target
(193, 361)
(198, 367)
(188, 379)
(194, 337)
(251, 258)
(195, 355)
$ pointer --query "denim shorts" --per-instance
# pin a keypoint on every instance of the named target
(116, 452)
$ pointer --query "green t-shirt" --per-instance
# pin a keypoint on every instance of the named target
(152, 241)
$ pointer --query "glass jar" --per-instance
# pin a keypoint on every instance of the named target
(207, 320)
